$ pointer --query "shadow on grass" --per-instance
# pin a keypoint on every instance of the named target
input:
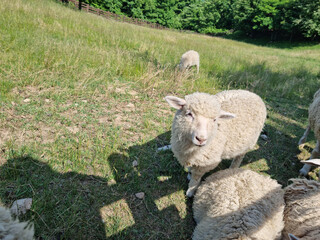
(299, 85)
(265, 41)
(78, 206)
(278, 156)
(70, 205)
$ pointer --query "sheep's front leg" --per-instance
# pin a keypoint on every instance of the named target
(305, 135)
(189, 174)
(196, 175)
(315, 154)
(305, 169)
(237, 161)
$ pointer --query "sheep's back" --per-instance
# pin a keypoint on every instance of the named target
(190, 58)
(241, 132)
(238, 204)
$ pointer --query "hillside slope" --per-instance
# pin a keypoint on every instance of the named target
(81, 98)
(46, 36)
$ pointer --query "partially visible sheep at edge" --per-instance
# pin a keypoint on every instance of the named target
(238, 204)
(11, 229)
(302, 210)
(189, 59)
(314, 124)
(208, 128)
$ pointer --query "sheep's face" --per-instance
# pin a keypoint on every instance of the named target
(194, 127)
(196, 118)
(182, 66)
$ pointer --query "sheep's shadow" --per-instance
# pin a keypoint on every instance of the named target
(71, 205)
(284, 130)
(276, 156)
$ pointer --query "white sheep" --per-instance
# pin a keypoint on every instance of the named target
(238, 204)
(11, 229)
(302, 210)
(208, 128)
(314, 124)
(189, 59)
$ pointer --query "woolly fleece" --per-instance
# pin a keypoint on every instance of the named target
(314, 115)
(302, 211)
(238, 204)
(230, 138)
(188, 59)
(13, 229)
(314, 124)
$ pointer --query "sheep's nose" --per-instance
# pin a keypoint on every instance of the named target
(200, 140)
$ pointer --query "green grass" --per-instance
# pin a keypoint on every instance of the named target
(96, 91)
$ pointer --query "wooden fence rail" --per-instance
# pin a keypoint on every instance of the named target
(121, 18)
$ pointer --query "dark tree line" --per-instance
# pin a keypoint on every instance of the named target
(272, 18)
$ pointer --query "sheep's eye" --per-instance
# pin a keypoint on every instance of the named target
(214, 119)
(189, 114)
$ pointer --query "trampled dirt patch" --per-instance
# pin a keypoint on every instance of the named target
(33, 91)
(43, 134)
(120, 107)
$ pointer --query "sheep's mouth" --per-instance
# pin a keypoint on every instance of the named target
(200, 145)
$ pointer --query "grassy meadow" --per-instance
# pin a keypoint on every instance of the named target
(81, 98)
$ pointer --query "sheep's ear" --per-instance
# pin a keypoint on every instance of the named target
(175, 102)
(315, 162)
(226, 115)
(292, 237)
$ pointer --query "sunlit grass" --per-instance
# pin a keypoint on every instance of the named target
(81, 98)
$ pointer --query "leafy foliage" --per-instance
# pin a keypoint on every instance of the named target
(264, 17)
(212, 16)
(303, 17)
(256, 15)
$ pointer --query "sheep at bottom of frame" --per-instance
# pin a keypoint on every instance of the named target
(238, 204)
(302, 210)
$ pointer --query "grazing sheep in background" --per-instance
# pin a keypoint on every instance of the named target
(238, 204)
(302, 210)
(13, 229)
(208, 128)
(314, 124)
(189, 59)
